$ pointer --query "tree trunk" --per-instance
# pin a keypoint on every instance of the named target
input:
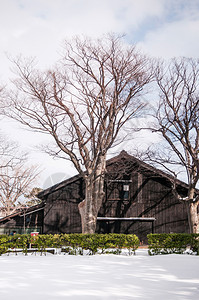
(193, 217)
(94, 194)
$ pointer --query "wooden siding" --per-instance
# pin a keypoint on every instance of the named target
(33, 221)
(61, 214)
(149, 195)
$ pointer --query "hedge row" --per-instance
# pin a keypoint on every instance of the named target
(71, 243)
(172, 243)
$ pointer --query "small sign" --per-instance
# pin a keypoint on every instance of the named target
(126, 187)
(34, 233)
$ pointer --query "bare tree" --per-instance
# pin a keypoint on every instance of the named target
(178, 122)
(9, 153)
(16, 178)
(83, 104)
(32, 198)
(14, 183)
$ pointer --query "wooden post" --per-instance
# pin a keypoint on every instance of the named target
(24, 221)
(152, 226)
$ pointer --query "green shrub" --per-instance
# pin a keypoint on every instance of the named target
(43, 241)
(167, 243)
(21, 241)
(74, 244)
(132, 242)
(4, 244)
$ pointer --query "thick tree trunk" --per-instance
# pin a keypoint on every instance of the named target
(193, 216)
(94, 194)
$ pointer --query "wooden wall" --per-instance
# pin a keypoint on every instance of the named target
(33, 222)
(61, 214)
(149, 196)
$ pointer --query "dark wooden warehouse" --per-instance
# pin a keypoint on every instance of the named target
(25, 220)
(138, 199)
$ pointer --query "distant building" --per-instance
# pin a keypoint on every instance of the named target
(138, 199)
(24, 220)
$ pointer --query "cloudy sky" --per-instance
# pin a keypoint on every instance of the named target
(162, 28)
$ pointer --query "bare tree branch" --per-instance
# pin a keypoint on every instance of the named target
(177, 119)
(15, 178)
(83, 103)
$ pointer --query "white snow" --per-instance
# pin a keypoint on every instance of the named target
(108, 276)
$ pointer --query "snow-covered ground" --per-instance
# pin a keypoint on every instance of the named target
(115, 277)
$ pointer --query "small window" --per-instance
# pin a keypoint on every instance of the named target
(118, 190)
(126, 187)
(125, 191)
(27, 219)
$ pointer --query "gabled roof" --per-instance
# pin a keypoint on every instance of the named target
(146, 167)
(123, 155)
(58, 186)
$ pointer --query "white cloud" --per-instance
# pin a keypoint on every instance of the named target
(178, 38)
(37, 27)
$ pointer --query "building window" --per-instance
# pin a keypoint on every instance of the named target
(126, 191)
(118, 189)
